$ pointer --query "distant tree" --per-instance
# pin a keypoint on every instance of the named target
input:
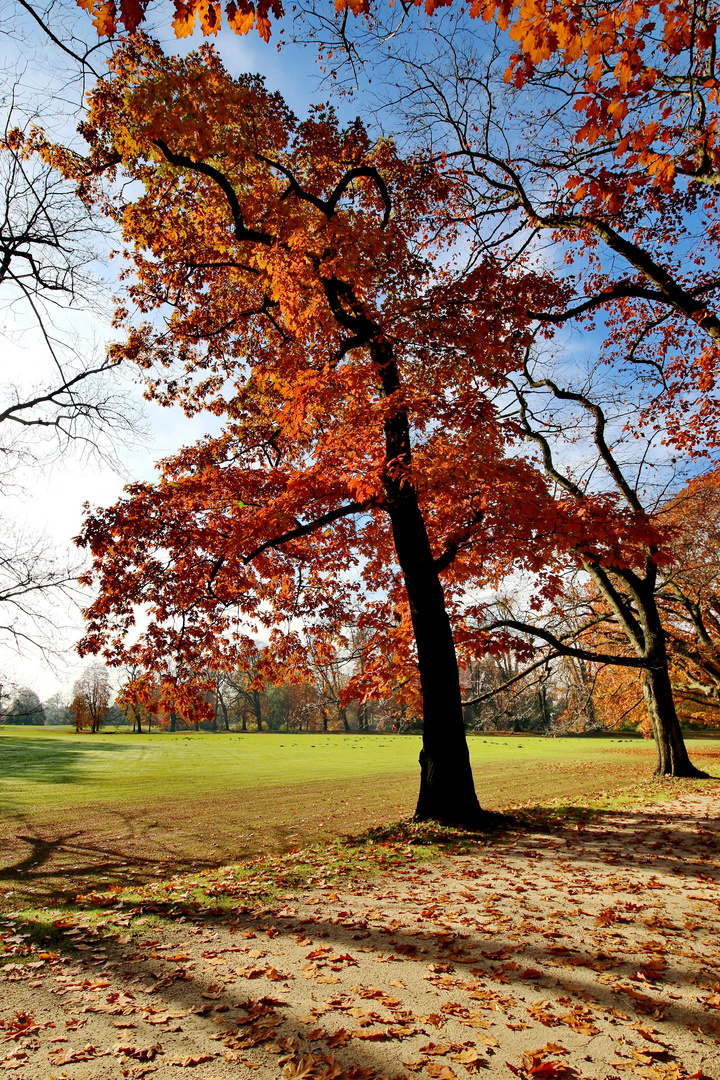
(91, 698)
(138, 693)
(26, 708)
(57, 710)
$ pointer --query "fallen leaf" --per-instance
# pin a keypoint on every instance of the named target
(340, 1038)
(191, 1060)
(298, 1070)
(440, 1072)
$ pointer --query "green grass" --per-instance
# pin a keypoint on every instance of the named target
(87, 814)
(41, 766)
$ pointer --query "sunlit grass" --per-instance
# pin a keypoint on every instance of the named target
(84, 815)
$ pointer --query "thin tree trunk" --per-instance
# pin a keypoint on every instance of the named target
(647, 635)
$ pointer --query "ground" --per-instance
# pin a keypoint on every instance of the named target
(571, 942)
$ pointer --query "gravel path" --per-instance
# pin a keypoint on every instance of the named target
(588, 952)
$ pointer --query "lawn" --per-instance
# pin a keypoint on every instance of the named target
(102, 807)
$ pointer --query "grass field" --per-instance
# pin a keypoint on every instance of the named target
(104, 807)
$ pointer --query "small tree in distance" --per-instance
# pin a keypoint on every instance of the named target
(91, 698)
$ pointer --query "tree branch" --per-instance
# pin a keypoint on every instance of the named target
(568, 650)
(311, 526)
(182, 161)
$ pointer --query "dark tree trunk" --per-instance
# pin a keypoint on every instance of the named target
(447, 790)
(257, 708)
(223, 706)
(672, 755)
(173, 720)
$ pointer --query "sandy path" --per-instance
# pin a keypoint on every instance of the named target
(590, 952)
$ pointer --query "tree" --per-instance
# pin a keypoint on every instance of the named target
(317, 310)
(244, 688)
(25, 709)
(91, 698)
(623, 567)
(57, 711)
(598, 173)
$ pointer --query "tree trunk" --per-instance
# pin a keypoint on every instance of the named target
(257, 708)
(223, 706)
(646, 633)
(173, 720)
(672, 755)
(447, 791)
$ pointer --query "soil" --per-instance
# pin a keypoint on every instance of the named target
(591, 951)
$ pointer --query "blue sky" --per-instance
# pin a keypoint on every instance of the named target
(49, 500)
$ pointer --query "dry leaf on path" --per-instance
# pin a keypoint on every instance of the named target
(191, 1060)
(440, 1072)
(299, 1070)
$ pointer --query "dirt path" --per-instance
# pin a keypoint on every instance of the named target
(590, 952)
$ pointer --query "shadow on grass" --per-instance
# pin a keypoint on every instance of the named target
(49, 761)
(106, 850)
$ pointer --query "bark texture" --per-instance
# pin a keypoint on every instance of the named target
(447, 790)
(672, 755)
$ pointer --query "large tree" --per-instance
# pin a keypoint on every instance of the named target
(303, 284)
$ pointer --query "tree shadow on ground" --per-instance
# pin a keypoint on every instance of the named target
(465, 955)
(49, 761)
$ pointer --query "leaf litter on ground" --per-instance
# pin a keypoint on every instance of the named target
(451, 958)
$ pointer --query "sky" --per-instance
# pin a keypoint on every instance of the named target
(46, 499)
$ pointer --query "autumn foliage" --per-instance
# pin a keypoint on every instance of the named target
(240, 15)
(298, 282)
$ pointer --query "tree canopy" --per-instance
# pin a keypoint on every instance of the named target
(310, 296)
